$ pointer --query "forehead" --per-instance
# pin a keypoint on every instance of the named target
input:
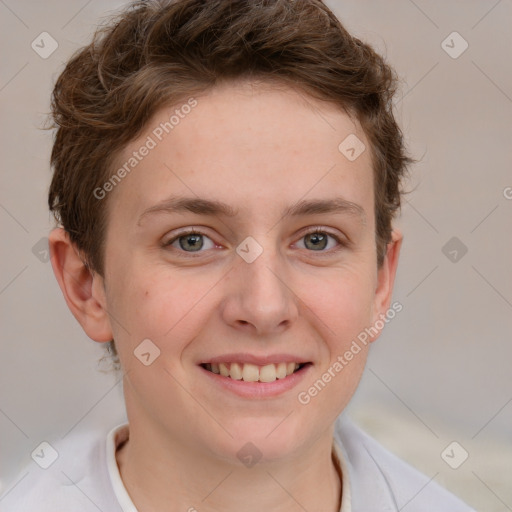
(255, 146)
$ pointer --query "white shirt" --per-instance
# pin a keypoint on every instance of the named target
(85, 477)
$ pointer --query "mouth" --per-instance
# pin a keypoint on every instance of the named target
(248, 372)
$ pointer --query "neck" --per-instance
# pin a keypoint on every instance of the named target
(160, 474)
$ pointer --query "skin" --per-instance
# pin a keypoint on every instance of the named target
(260, 149)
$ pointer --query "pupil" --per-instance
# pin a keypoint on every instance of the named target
(319, 240)
(194, 242)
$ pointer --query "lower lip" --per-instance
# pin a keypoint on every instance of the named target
(257, 390)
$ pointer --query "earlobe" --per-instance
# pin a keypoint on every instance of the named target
(83, 292)
(386, 277)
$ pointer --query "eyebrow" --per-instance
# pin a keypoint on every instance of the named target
(175, 204)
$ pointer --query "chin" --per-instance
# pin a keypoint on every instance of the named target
(266, 438)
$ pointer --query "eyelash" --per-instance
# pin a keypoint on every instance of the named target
(317, 230)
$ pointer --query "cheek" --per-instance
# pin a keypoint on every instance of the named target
(347, 312)
(344, 303)
(157, 305)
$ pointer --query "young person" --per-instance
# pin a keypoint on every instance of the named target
(226, 174)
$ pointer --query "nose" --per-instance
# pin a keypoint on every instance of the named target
(259, 298)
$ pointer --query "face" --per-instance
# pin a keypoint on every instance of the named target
(243, 247)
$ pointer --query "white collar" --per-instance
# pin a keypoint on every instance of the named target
(115, 437)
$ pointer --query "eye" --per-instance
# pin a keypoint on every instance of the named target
(318, 240)
(190, 241)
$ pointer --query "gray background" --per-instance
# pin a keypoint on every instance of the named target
(441, 370)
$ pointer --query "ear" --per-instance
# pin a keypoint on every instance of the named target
(385, 279)
(82, 288)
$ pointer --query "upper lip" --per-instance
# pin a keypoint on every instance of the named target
(261, 360)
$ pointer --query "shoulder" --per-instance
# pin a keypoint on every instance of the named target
(75, 478)
(380, 481)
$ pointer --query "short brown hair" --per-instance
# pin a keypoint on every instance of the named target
(158, 53)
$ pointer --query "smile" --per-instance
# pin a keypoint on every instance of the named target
(248, 372)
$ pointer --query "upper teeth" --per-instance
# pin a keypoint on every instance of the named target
(252, 373)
